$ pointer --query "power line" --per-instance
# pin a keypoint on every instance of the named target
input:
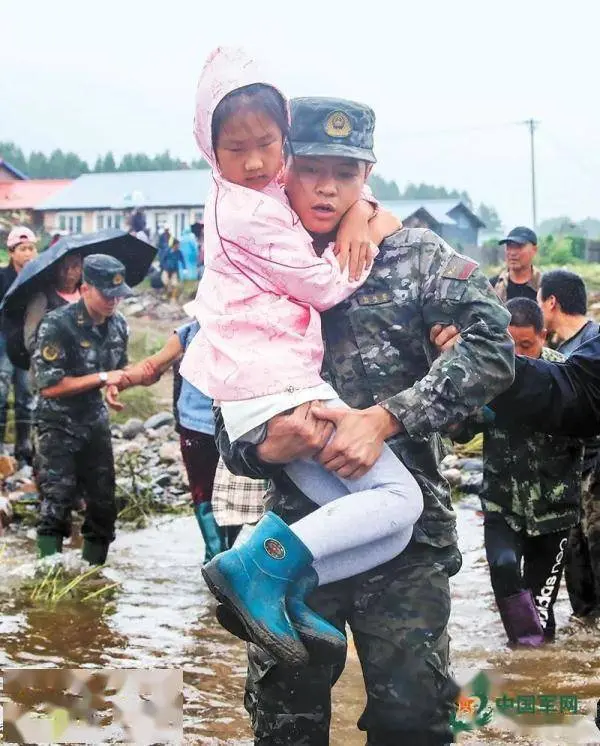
(452, 131)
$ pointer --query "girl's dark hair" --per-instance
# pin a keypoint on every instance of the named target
(258, 98)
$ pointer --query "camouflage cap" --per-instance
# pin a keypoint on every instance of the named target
(107, 274)
(332, 126)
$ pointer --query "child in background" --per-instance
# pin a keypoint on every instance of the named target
(196, 428)
(259, 353)
(173, 260)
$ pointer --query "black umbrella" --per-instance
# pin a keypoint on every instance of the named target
(37, 275)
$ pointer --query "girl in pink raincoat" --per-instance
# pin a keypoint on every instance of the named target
(259, 353)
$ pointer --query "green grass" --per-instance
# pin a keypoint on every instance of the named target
(143, 344)
(56, 585)
(140, 401)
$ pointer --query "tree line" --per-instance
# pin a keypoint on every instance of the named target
(389, 190)
(68, 165)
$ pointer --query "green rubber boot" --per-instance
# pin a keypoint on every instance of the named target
(213, 535)
(94, 552)
(48, 545)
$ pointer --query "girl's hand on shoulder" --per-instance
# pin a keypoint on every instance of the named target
(382, 225)
(353, 240)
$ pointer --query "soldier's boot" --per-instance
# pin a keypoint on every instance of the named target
(324, 642)
(214, 537)
(254, 578)
(94, 552)
(48, 545)
(23, 445)
(521, 619)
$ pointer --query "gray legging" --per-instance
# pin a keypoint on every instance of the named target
(361, 523)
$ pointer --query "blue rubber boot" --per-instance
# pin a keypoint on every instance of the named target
(254, 579)
(324, 642)
(213, 535)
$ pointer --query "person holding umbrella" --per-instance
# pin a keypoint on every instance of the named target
(59, 267)
(21, 243)
(64, 290)
(80, 349)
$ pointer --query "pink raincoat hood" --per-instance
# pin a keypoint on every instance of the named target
(226, 70)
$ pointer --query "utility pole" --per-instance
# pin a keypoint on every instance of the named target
(532, 124)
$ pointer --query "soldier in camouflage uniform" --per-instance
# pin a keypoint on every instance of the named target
(378, 357)
(80, 348)
(531, 496)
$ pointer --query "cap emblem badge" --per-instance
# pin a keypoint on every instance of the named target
(338, 124)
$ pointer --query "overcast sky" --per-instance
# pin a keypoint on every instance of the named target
(449, 81)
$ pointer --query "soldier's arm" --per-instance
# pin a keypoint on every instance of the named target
(51, 365)
(557, 398)
(480, 366)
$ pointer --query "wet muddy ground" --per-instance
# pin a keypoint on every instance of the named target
(163, 617)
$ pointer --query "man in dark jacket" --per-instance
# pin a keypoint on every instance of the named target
(21, 243)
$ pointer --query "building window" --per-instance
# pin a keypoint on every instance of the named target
(99, 222)
(78, 223)
(62, 223)
(118, 221)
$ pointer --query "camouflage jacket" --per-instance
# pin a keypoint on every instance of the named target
(500, 283)
(534, 480)
(70, 344)
(377, 351)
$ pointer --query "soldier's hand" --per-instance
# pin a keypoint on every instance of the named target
(357, 443)
(444, 337)
(116, 378)
(112, 398)
(294, 436)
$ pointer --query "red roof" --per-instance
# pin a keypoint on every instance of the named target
(26, 195)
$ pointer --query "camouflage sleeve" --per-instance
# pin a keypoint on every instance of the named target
(124, 360)
(240, 458)
(50, 357)
(481, 365)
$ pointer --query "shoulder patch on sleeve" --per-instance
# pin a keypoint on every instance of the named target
(459, 267)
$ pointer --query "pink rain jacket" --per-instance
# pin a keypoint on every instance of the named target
(263, 286)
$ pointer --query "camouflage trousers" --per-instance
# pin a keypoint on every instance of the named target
(79, 455)
(398, 615)
(582, 570)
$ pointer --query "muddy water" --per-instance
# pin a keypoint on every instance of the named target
(163, 617)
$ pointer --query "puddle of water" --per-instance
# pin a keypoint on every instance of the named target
(163, 616)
